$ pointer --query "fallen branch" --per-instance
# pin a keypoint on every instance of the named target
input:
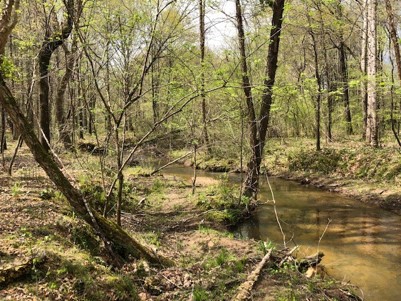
(244, 290)
(170, 163)
(310, 261)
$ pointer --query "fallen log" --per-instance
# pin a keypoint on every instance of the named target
(244, 290)
(14, 272)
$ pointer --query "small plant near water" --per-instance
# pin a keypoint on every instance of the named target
(16, 189)
(266, 246)
(221, 202)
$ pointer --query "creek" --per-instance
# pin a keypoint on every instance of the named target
(361, 243)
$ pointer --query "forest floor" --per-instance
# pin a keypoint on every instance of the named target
(47, 253)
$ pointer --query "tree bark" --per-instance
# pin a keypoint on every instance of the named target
(202, 32)
(60, 115)
(345, 87)
(396, 46)
(318, 82)
(372, 123)
(364, 51)
(344, 73)
(251, 181)
(319, 91)
(49, 45)
(258, 131)
(3, 141)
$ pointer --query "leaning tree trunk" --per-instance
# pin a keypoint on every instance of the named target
(116, 240)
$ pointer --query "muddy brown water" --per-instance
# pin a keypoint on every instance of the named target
(362, 244)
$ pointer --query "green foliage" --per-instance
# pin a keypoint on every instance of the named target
(152, 238)
(94, 192)
(158, 186)
(325, 161)
(222, 257)
(266, 246)
(16, 189)
(200, 294)
(47, 194)
(8, 69)
(83, 237)
(222, 203)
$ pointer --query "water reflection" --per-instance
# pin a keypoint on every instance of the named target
(361, 245)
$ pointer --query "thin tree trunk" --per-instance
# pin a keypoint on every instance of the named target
(345, 87)
(364, 52)
(344, 73)
(3, 141)
(202, 75)
(319, 92)
(319, 84)
(251, 181)
(372, 124)
(395, 41)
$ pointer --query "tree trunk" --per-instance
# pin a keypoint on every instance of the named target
(345, 86)
(364, 51)
(394, 36)
(372, 124)
(319, 84)
(258, 133)
(395, 41)
(319, 92)
(3, 141)
(251, 181)
(344, 73)
(202, 75)
(50, 44)
(115, 238)
(60, 115)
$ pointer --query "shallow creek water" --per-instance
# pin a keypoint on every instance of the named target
(362, 244)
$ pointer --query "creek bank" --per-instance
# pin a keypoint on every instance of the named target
(211, 263)
(372, 176)
(373, 194)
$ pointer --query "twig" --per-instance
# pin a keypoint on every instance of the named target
(287, 255)
(321, 236)
(275, 209)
